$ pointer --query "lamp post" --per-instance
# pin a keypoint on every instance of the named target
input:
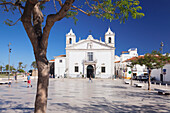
(162, 44)
(9, 59)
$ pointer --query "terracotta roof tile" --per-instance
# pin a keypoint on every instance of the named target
(117, 61)
(61, 56)
(133, 58)
(125, 52)
(52, 60)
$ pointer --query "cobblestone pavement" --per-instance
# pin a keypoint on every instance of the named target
(80, 96)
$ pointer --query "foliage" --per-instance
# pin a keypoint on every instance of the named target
(21, 70)
(11, 68)
(1, 67)
(32, 19)
(155, 60)
(34, 65)
(104, 9)
(132, 63)
(24, 67)
(20, 65)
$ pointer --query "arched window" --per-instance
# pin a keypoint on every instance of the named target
(110, 40)
(70, 41)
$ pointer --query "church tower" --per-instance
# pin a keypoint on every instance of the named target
(110, 38)
(70, 38)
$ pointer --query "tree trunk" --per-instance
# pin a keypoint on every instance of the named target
(42, 84)
(32, 19)
(149, 80)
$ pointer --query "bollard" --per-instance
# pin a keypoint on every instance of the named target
(160, 84)
(155, 83)
(166, 85)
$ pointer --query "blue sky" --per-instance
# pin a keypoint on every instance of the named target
(145, 34)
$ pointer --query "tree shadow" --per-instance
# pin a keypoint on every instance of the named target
(112, 86)
(24, 109)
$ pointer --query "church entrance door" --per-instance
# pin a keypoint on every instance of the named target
(90, 71)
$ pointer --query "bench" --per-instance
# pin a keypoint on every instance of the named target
(163, 91)
(4, 82)
(127, 82)
(138, 85)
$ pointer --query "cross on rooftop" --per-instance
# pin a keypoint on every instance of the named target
(90, 32)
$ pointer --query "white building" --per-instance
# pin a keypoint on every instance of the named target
(87, 57)
(132, 52)
(137, 70)
(166, 76)
(121, 69)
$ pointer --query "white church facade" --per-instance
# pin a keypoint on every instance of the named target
(87, 57)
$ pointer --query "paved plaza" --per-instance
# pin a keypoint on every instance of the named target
(80, 96)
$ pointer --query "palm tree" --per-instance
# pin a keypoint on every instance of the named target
(20, 65)
(24, 67)
(34, 65)
(1, 67)
(6, 68)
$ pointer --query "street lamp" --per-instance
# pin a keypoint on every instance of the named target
(9, 59)
(161, 76)
(162, 44)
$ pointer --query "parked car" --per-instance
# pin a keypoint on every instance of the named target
(142, 78)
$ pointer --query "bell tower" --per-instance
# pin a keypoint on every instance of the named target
(70, 38)
(110, 38)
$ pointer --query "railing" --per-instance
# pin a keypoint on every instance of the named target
(87, 61)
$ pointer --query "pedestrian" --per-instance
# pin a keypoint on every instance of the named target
(90, 78)
(10, 82)
(16, 77)
(28, 80)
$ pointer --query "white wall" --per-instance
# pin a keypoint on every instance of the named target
(156, 73)
(103, 58)
(60, 67)
(75, 58)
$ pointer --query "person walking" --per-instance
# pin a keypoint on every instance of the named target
(15, 75)
(9, 82)
(28, 81)
(90, 78)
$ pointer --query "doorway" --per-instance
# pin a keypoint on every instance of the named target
(90, 71)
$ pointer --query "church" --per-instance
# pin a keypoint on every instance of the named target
(86, 58)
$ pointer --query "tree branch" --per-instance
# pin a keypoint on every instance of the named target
(26, 20)
(52, 18)
(89, 4)
(42, 2)
(81, 10)
(19, 10)
(55, 5)
(101, 6)
(10, 3)
(15, 22)
(60, 2)
(37, 20)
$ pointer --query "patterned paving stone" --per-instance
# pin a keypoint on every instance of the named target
(80, 96)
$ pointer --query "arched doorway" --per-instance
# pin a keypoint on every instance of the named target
(90, 71)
